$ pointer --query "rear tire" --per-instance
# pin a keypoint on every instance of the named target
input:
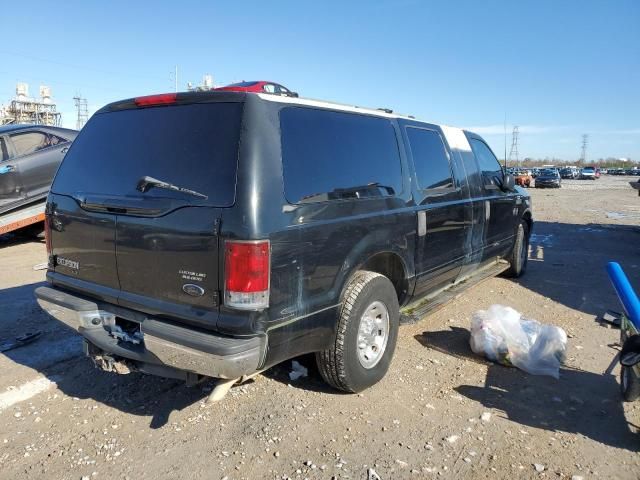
(629, 384)
(520, 253)
(366, 335)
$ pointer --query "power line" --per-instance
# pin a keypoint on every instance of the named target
(73, 65)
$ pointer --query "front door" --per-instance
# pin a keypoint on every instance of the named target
(37, 160)
(499, 204)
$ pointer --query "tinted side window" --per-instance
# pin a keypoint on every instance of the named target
(26, 143)
(329, 155)
(430, 158)
(487, 161)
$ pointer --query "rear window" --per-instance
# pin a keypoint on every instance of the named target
(192, 146)
(329, 155)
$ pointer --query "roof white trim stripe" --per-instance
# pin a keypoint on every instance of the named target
(333, 106)
(456, 138)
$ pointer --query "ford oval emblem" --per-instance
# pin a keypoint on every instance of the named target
(193, 290)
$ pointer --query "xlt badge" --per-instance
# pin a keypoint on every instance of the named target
(193, 290)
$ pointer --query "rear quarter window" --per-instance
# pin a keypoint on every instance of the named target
(329, 155)
(430, 158)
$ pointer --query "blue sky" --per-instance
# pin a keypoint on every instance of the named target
(557, 69)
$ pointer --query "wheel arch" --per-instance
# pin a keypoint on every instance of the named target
(391, 265)
(528, 218)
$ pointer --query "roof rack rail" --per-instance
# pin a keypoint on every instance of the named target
(385, 110)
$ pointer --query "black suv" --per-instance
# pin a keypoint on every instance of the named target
(220, 233)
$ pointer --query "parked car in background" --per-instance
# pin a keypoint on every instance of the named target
(548, 177)
(225, 232)
(29, 158)
(523, 178)
(568, 173)
(588, 173)
(258, 86)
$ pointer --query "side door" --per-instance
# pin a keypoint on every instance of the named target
(10, 190)
(38, 155)
(499, 204)
(443, 212)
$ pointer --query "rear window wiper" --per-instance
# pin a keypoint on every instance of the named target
(147, 183)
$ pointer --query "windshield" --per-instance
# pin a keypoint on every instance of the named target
(243, 84)
(549, 172)
(191, 146)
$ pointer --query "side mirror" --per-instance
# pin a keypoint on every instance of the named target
(508, 183)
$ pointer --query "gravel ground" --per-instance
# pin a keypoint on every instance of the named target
(441, 412)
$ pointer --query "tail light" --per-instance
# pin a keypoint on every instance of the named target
(247, 274)
(162, 99)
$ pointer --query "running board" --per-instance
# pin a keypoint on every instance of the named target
(416, 311)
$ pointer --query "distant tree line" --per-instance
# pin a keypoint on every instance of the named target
(609, 162)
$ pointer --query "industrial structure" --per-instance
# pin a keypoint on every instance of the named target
(207, 84)
(25, 109)
(513, 153)
(583, 151)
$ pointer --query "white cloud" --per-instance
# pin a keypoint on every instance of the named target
(499, 129)
(629, 131)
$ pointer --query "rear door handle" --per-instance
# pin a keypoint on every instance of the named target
(7, 169)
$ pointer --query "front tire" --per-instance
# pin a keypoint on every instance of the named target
(520, 253)
(629, 384)
(366, 336)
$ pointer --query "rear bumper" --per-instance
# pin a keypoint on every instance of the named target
(164, 343)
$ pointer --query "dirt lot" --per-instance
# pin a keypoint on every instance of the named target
(441, 412)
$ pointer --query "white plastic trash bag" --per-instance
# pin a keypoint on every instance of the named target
(502, 335)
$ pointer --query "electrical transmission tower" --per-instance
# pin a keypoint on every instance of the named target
(583, 153)
(513, 153)
(83, 111)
